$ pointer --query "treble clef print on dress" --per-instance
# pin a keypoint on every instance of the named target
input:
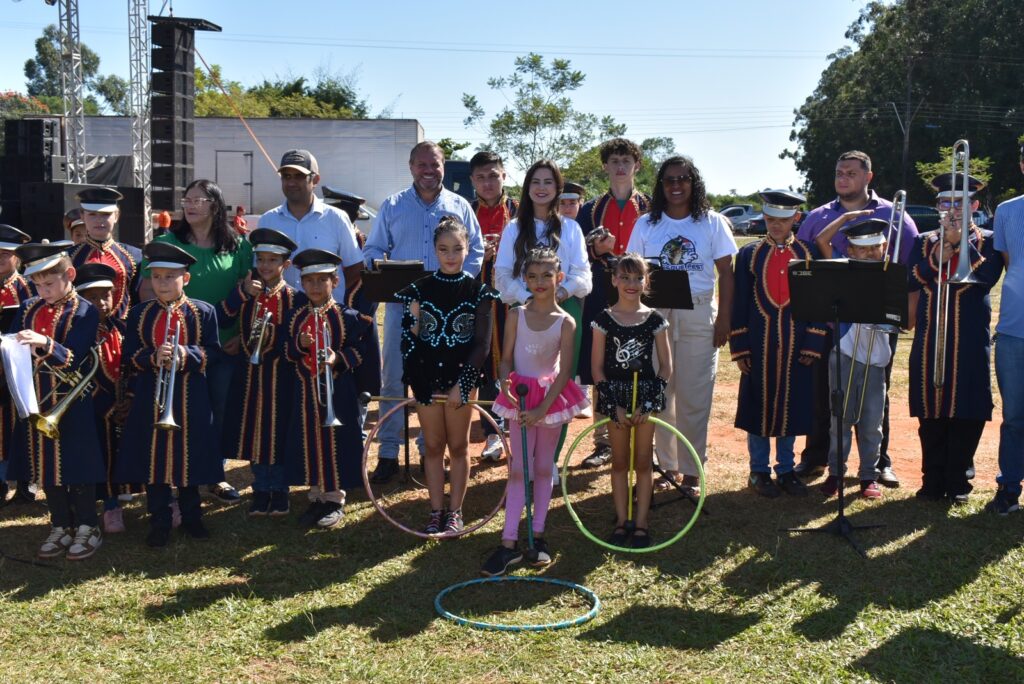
(624, 353)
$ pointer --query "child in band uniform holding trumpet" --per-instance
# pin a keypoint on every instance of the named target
(952, 414)
(260, 398)
(60, 327)
(326, 341)
(169, 434)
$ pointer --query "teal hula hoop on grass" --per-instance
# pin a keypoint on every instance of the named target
(628, 549)
(595, 605)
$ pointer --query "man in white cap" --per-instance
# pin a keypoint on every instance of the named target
(312, 223)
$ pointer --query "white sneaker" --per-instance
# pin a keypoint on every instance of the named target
(87, 541)
(587, 412)
(493, 449)
(56, 544)
(556, 480)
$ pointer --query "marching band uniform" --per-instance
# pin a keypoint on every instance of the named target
(124, 259)
(164, 458)
(68, 476)
(14, 289)
(952, 417)
(327, 459)
(774, 395)
(260, 398)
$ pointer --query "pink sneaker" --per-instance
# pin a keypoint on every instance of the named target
(869, 489)
(175, 514)
(113, 520)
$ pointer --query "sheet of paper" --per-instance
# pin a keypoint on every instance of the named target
(17, 359)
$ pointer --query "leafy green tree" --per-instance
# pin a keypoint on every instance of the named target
(586, 168)
(940, 71)
(540, 121)
(980, 167)
(43, 74)
(451, 147)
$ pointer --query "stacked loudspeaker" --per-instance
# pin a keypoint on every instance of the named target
(31, 155)
(172, 110)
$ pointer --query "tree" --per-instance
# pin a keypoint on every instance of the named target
(331, 96)
(540, 121)
(43, 74)
(979, 167)
(451, 147)
(15, 106)
(921, 67)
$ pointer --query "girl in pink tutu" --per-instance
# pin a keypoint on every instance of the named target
(540, 335)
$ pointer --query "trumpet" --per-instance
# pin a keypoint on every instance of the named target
(165, 381)
(260, 321)
(48, 424)
(964, 274)
(324, 374)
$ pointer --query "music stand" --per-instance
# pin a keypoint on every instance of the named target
(846, 291)
(379, 286)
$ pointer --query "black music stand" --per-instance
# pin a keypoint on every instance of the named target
(380, 285)
(847, 291)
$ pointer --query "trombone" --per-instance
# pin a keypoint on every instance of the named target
(964, 274)
(260, 321)
(48, 424)
(896, 220)
(165, 380)
(324, 373)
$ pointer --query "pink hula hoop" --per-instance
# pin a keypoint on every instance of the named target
(423, 535)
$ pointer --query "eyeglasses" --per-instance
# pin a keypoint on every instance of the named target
(951, 204)
(676, 180)
(195, 202)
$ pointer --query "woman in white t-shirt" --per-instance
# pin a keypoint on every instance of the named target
(684, 233)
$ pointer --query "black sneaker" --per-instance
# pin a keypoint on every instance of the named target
(762, 484)
(808, 470)
(619, 536)
(453, 522)
(600, 456)
(23, 494)
(260, 503)
(436, 523)
(158, 537)
(1004, 503)
(278, 503)
(926, 494)
(195, 529)
(542, 555)
(500, 561)
(791, 484)
(224, 493)
(641, 538)
(386, 469)
(960, 499)
(312, 514)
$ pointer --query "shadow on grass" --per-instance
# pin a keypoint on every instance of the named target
(928, 655)
(672, 626)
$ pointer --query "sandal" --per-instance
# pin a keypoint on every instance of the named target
(641, 538)
(667, 482)
(619, 536)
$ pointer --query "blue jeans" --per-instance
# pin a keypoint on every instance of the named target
(760, 454)
(219, 369)
(1009, 370)
(390, 433)
(268, 478)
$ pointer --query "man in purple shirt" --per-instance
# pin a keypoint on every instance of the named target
(852, 181)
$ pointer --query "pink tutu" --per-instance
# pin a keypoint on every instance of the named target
(569, 403)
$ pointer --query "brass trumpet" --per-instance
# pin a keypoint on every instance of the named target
(964, 274)
(324, 374)
(260, 321)
(165, 382)
(48, 424)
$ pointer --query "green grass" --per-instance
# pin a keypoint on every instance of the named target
(939, 598)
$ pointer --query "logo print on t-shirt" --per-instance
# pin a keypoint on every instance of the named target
(680, 254)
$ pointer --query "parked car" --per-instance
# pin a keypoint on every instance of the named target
(982, 219)
(925, 218)
(739, 215)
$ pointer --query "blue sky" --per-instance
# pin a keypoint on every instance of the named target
(720, 78)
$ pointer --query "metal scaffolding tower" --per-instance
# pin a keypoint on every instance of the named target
(72, 82)
(139, 101)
